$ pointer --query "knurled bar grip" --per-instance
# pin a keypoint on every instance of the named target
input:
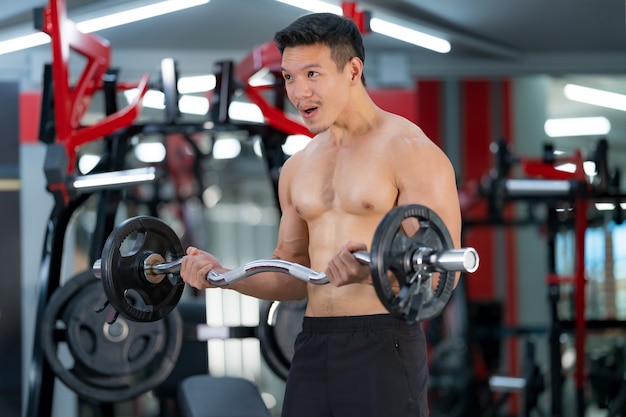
(451, 260)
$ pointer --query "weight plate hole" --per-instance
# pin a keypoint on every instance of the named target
(87, 340)
(137, 348)
(131, 243)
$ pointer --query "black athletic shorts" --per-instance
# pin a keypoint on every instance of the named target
(363, 366)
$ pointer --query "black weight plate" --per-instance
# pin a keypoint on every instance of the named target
(279, 325)
(149, 364)
(122, 268)
(391, 269)
(119, 348)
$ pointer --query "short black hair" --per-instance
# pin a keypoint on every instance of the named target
(339, 33)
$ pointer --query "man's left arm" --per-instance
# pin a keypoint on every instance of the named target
(426, 176)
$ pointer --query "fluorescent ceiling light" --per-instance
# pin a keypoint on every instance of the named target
(596, 97)
(196, 84)
(102, 22)
(150, 152)
(577, 126)
(566, 167)
(226, 148)
(246, 112)
(506, 383)
(608, 206)
(136, 14)
(261, 77)
(88, 162)
(410, 35)
(23, 42)
(193, 105)
(380, 26)
(588, 166)
(155, 99)
(295, 143)
(212, 195)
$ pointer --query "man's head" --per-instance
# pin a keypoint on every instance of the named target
(341, 35)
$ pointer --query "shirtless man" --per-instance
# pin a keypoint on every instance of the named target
(353, 358)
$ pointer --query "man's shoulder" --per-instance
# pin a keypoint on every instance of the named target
(406, 139)
(399, 130)
(402, 127)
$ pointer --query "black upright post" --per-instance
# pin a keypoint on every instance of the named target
(555, 324)
(10, 288)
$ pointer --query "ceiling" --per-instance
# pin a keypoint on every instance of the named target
(516, 35)
(565, 39)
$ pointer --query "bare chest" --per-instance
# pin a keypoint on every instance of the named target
(348, 184)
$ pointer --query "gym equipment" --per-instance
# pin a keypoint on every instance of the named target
(451, 380)
(109, 362)
(279, 325)
(557, 200)
(401, 266)
(209, 396)
(153, 241)
(412, 260)
(531, 384)
(607, 377)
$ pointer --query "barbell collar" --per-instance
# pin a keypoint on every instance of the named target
(153, 271)
(161, 268)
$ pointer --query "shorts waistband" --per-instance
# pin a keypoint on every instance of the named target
(354, 323)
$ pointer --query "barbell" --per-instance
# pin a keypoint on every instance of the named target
(143, 256)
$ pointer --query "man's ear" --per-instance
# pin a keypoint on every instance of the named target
(356, 69)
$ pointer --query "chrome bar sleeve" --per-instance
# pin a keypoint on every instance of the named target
(464, 260)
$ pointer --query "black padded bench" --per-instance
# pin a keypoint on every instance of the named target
(209, 396)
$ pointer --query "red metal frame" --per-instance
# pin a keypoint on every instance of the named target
(360, 17)
(266, 56)
(538, 168)
(71, 103)
(549, 171)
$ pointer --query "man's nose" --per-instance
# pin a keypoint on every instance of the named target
(300, 89)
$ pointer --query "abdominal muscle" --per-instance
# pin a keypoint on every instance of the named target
(350, 300)
(327, 234)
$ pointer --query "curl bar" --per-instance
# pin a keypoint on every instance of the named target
(401, 266)
(155, 270)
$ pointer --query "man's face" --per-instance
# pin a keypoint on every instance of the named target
(315, 86)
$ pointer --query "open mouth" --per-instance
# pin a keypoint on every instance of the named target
(308, 111)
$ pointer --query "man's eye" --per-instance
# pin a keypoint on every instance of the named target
(312, 73)
(286, 76)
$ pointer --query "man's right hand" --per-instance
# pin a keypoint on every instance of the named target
(195, 267)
